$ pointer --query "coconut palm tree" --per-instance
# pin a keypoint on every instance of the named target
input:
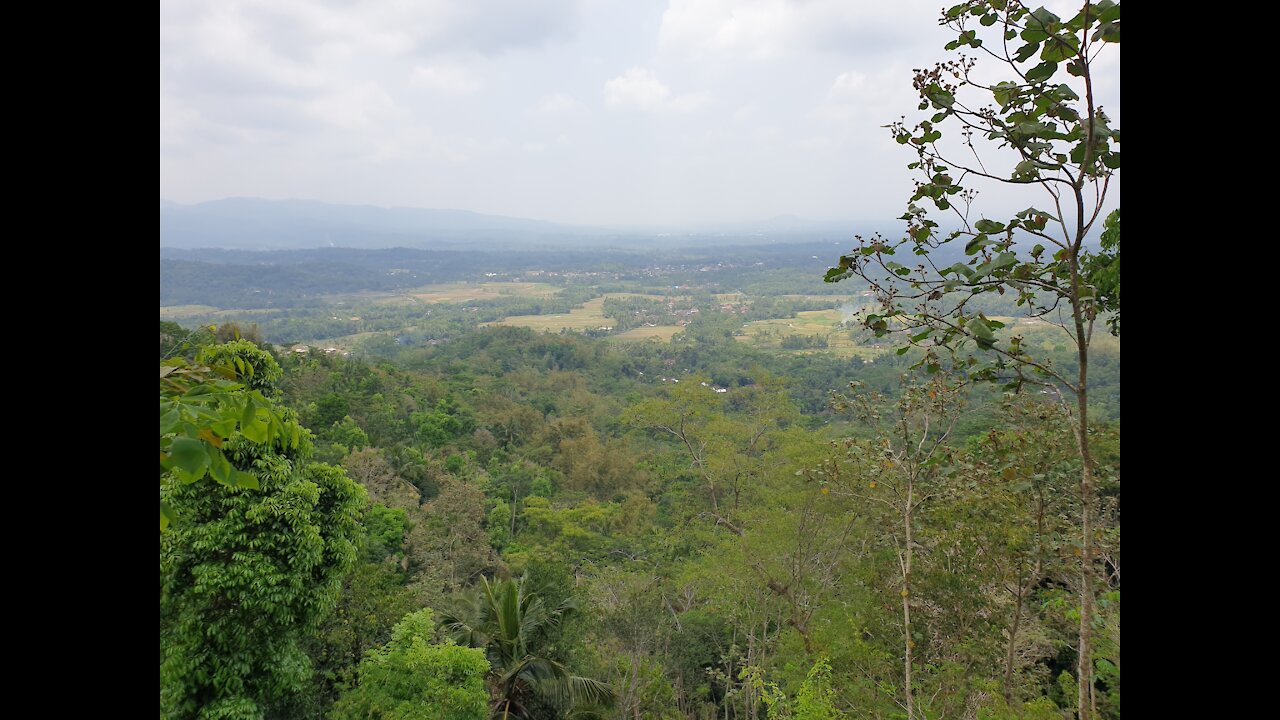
(509, 622)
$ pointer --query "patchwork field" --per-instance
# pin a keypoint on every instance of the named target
(174, 312)
(178, 312)
(824, 323)
(462, 292)
(837, 299)
(661, 332)
(589, 316)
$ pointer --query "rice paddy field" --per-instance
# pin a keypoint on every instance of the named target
(826, 323)
(661, 332)
(589, 316)
(463, 292)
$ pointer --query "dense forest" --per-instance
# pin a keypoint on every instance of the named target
(635, 478)
(691, 552)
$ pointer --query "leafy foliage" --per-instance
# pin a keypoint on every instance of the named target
(203, 405)
(411, 678)
(1039, 128)
(250, 572)
(509, 620)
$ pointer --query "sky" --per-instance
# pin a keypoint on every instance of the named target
(588, 112)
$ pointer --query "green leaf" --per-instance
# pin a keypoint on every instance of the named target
(1026, 52)
(1108, 11)
(988, 226)
(219, 467)
(243, 479)
(189, 454)
(1043, 19)
(169, 421)
(977, 243)
(1060, 47)
(1042, 72)
(1025, 170)
(1005, 92)
(256, 430)
(1108, 32)
(939, 96)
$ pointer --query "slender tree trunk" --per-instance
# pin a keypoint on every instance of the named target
(906, 607)
(1084, 665)
(1013, 643)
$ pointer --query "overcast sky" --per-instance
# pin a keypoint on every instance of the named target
(577, 111)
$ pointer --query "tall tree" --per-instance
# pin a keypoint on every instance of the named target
(899, 472)
(411, 678)
(249, 571)
(230, 390)
(508, 620)
(1040, 128)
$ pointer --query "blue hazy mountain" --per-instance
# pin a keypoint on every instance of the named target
(280, 224)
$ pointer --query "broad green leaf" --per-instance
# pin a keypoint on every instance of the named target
(1060, 47)
(249, 413)
(1108, 32)
(169, 421)
(255, 430)
(243, 479)
(940, 96)
(1004, 92)
(1043, 19)
(1042, 72)
(977, 243)
(219, 467)
(189, 454)
(1004, 260)
(836, 275)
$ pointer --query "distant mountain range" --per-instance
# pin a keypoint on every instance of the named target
(257, 224)
(283, 224)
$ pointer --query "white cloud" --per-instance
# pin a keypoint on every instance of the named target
(640, 89)
(846, 86)
(556, 103)
(769, 29)
(872, 98)
(689, 102)
(760, 107)
(450, 79)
